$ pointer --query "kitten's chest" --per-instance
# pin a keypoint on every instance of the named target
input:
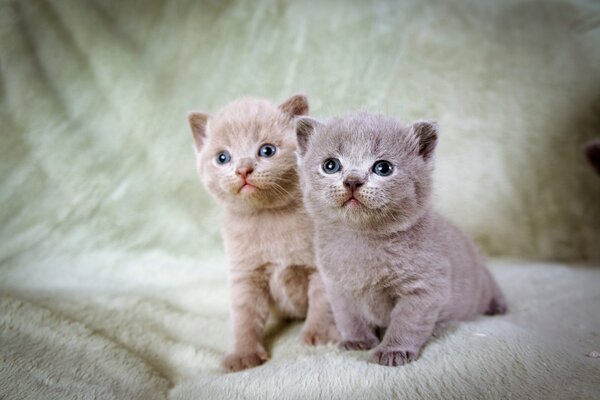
(355, 263)
(369, 273)
(271, 238)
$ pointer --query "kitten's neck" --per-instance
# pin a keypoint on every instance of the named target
(417, 222)
(419, 225)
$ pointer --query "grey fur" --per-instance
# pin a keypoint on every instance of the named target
(386, 258)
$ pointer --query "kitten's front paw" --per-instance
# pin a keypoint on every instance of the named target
(365, 344)
(234, 362)
(393, 357)
(320, 335)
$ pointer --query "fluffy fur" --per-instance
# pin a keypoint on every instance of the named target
(103, 219)
(267, 233)
(388, 260)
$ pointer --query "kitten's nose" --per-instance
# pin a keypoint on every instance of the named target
(244, 171)
(353, 183)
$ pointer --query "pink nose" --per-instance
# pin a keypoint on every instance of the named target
(353, 183)
(244, 171)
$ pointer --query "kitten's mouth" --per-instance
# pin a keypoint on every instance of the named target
(247, 188)
(353, 203)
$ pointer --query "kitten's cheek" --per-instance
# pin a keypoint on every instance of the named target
(227, 189)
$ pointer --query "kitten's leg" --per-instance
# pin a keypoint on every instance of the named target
(411, 325)
(319, 327)
(249, 312)
(356, 332)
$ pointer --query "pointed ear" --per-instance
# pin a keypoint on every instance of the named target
(295, 105)
(305, 128)
(427, 133)
(198, 122)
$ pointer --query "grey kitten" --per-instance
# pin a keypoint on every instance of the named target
(387, 259)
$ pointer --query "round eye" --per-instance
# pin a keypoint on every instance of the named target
(267, 150)
(383, 168)
(332, 165)
(223, 157)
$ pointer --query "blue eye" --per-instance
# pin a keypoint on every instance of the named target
(267, 150)
(223, 157)
(331, 165)
(383, 168)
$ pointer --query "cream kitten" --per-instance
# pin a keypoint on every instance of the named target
(246, 158)
(386, 258)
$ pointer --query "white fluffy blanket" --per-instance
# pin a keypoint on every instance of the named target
(157, 327)
(112, 277)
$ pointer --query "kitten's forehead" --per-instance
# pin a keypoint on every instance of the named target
(363, 136)
(246, 122)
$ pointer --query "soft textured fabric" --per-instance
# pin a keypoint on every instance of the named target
(158, 327)
(112, 278)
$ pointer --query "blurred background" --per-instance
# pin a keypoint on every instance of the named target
(96, 153)
(112, 273)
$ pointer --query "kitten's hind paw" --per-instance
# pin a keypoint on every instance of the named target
(366, 344)
(234, 362)
(394, 357)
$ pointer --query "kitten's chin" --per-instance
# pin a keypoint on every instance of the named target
(353, 214)
(365, 219)
(251, 198)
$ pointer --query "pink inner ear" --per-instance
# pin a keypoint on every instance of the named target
(198, 123)
(428, 145)
(305, 127)
(427, 134)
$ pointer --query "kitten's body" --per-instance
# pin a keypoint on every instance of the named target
(272, 249)
(387, 259)
(405, 261)
(266, 231)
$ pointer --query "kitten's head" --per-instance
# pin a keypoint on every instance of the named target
(245, 152)
(365, 170)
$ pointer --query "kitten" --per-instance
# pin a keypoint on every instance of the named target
(246, 158)
(386, 258)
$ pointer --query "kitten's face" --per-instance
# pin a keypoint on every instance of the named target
(246, 157)
(367, 170)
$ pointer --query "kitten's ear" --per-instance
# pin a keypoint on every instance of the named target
(198, 122)
(427, 133)
(305, 128)
(295, 105)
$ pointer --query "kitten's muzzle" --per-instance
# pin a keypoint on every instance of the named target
(353, 183)
(244, 170)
